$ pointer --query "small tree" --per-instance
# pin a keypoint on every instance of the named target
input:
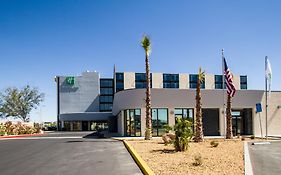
(183, 131)
(18, 103)
(199, 125)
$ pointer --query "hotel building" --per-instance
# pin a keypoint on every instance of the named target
(117, 104)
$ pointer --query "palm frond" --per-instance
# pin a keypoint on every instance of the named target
(146, 44)
(201, 75)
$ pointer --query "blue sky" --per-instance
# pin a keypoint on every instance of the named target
(41, 39)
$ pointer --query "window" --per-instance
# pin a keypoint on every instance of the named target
(159, 119)
(106, 99)
(106, 82)
(106, 91)
(132, 122)
(183, 113)
(119, 81)
(193, 78)
(106, 94)
(140, 80)
(170, 80)
(243, 82)
(119, 77)
(105, 107)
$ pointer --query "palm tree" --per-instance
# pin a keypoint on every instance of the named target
(147, 48)
(198, 125)
(229, 134)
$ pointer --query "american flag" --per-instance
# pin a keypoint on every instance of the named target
(229, 80)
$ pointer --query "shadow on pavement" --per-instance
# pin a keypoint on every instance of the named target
(95, 135)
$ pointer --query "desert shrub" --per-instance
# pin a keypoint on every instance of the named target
(252, 137)
(198, 160)
(242, 138)
(18, 129)
(2, 129)
(183, 131)
(167, 128)
(37, 128)
(214, 143)
(9, 127)
(168, 138)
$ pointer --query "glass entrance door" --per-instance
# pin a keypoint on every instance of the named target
(132, 122)
(236, 122)
(242, 121)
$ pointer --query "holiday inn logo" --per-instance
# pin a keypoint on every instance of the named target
(70, 80)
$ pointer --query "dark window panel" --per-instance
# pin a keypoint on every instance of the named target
(119, 76)
(106, 91)
(139, 77)
(106, 107)
(106, 82)
(193, 78)
(106, 99)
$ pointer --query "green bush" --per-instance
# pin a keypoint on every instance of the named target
(167, 128)
(214, 143)
(17, 129)
(2, 129)
(252, 137)
(183, 131)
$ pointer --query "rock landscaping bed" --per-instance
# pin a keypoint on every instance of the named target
(201, 158)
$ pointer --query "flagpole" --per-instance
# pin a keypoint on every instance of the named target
(223, 82)
(266, 106)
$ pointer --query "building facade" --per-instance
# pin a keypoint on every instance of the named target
(88, 102)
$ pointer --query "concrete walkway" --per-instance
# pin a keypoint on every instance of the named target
(266, 159)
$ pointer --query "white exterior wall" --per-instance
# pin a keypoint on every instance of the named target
(274, 116)
(129, 80)
(157, 80)
(183, 81)
(209, 81)
(222, 122)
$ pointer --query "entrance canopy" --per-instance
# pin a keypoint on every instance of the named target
(85, 116)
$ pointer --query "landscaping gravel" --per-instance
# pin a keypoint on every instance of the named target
(227, 158)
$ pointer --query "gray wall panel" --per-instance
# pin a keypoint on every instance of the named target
(83, 96)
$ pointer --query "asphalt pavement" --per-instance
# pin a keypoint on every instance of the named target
(266, 159)
(65, 153)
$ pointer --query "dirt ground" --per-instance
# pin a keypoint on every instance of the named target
(227, 158)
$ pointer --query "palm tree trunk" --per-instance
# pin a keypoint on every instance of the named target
(229, 134)
(148, 132)
(199, 126)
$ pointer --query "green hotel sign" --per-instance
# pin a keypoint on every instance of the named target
(70, 80)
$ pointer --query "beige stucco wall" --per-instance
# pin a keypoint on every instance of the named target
(183, 81)
(157, 80)
(209, 81)
(129, 80)
(143, 123)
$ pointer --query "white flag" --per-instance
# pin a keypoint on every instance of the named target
(268, 72)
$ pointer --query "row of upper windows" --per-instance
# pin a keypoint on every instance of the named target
(172, 81)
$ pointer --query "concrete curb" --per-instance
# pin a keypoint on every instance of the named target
(20, 136)
(140, 162)
(247, 160)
